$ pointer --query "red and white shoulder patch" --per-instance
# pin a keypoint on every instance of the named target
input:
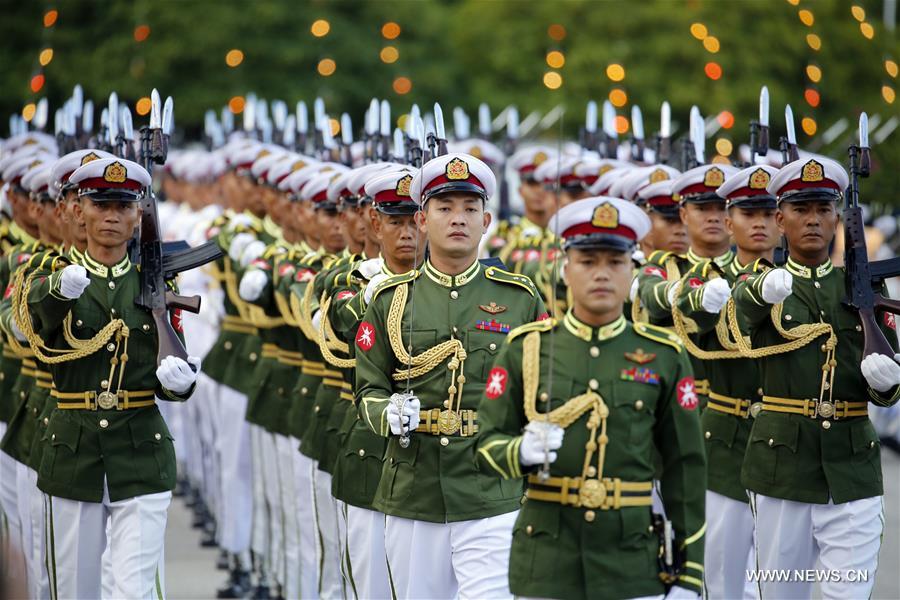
(496, 383)
(365, 336)
(687, 394)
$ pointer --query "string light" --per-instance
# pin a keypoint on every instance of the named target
(813, 41)
(618, 97)
(402, 85)
(326, 67)
(389, 54)
(858, 12)
(50, 18)
(142, 106)
(809, 126)
(698, 30)
(28, 111)
(806, 17)
(45, 56)
(867, 30)
(615, 72)
(234, 57)
(621, 124)
(888, 93)
(320, 28)
(390, 30)
(236, 104)
(891, 67)
(556, 59)
(726, 120)
(812, 97)
(814, 73)
(713, 70)
(37, 82)
(556, 32)
(711, 44)
(552, 80)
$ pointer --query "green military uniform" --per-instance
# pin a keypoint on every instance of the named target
(455, 333)
(533, 251)
(813, 441)
(623, 392)
(127, 448)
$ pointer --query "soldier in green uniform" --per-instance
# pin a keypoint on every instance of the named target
(109, 455)
(703, 213)
(358, 467)
(734, 392)
(423, 351)
(580, 407)
(813, 463)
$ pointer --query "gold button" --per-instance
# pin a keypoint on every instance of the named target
(227, 345)
(638, 405)
(817, 284)
(112, 311)
(47, 422)
(104, 423)
(444, 441)
(362, 452)
(21, 394)
(316, 408)
(493, 346)
(592, 471)
(823, 348)
(589, 516)
(544, 397)
(826, 424)
(454, 294)
(303, 391)
(595, 351)
(2, 376)
(111, 347)
(455, 330)
(788, 317)
(104, 383)
(593, 384)
(859, 327)
(871, 444)
(771, 442)
(253, 357)
(759, 391)
(146, 327)
(34, 410)
(529, 529)
(707, 435)
(79, 322)
(157, 436)
(53, 437)
(112, 285)
(446, 404)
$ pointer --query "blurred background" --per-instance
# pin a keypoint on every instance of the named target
(830, 59)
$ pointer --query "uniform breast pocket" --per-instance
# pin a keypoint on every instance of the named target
(422, 339)
(632, 405)
(87, 322)
(142, 335)
(481, 349)
(772, 450)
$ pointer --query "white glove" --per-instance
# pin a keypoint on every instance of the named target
(777, 285)
(73, 281)
(253, 251)
(672, 292)
(633, 292)
(369, 268)
(317, 319)
(240, 241)
(405, 420)
(252, 284)
(715, 295)
(540, 436)
(239, 220)
(17, 333)
(881, 372)
(373, 283)
(176, 375)
(680, 593)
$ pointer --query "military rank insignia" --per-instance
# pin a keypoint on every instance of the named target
(606, 216)
(89, 158)
(640, 357)
(403, 185)
(492, 325)
(492, 308)
(640, 375)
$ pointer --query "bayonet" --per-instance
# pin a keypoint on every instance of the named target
(484, 121)
(664, 137)
(112, 121)
(155, 108)
(637, 128)
(87, 117)
(791, 152)
(610, 133)
(77, 99)
(289, 135)
(399, 145)
(384, 133)
(439, 131)
(460, 124)
(41, 114)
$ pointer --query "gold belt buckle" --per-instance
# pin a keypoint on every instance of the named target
(825, 409)
(592, 493)
(448, 422)
(755, 409)
(107, 400)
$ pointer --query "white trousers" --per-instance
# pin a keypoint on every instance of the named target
(259, 537)
(306, 522)
(729, 548)
(38, 578)
(289, 526)
(272, 490)
(366, 560)
(24, 491)
(842, 540)
(331, 583)
(466, 559)
(77, 538)
(12, 546)
(233, 448)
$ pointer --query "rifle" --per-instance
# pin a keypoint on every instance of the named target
(861, 275)
(589, 139)
(664, 137)
(759, 130)
(610, 134)
(512, 134)
(157, 266)
(637, 129)
(788, 145)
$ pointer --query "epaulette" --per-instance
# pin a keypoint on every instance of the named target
(704, 268)
(498, 274)
(273, 250)
(759, 265)
(542, 325)
(658, 256)
(395, 281)
(659, 334)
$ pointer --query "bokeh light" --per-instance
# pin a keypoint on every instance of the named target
(726, 120)
(698, 30)
(402, 85)
(552, 80)
(711, 44)
(713, 70)
(326, 67)
(615, 72)
(37, 82)
(867, 30)
(891, 67)
(812, 97)
(724, 146)
(813, 41)
(809, 126)
(621, 124)
(556, 32)
(234, 57)
(45, 56)
(814, 73)
(320, 28)
(141, 33)
(618, 97)
(556, 59)
(50, 18)
(806, 17)
(390, 30)
(888, 93)
(236, 104)
(28, 111)
(142, 106)
(389, 54)
(858, 12)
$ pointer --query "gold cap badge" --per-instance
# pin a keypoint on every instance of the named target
(714, 177)
(88, 158)
(475, 151)
(658, 175)
(403, 185)
(606, 216)
(457, 169)
(539, 157)
(115, 173)
(604, 170)
(759, 179)
(812, 172)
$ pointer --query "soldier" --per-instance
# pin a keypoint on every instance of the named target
(734, 393)
(596, 398)
(433, 333)
(357, 469)
(110, 454)
(813, 463)
(667, 232)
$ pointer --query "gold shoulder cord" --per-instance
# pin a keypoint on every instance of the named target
(591, 492)
(683, 330)
(329, 341)
(302, 310)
